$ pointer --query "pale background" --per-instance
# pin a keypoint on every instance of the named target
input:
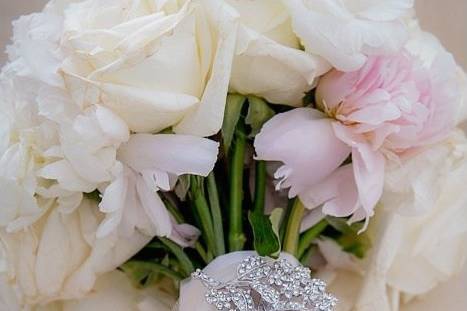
(446, 18)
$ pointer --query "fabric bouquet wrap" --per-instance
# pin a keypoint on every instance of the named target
(231, 155)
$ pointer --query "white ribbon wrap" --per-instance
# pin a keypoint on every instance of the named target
(223, 269)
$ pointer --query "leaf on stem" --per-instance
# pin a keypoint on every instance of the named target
(144, 273)
(348, 237)
(266, 241)
(259, 113)
(233, 109)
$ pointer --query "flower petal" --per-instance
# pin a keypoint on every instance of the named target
(338, 192)
(176, 154)
(305, 142)
(368, 166)
(206, 119)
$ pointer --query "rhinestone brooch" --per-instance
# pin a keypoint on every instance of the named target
(264, 284)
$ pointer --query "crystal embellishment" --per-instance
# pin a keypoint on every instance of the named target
(265, 284)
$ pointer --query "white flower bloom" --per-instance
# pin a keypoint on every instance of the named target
(419, 232)
(59, 257)
(344, 32)
(450, 295)
(152, 163)
(50, 148)
(269, 61)
(156, 64)
(88, 148)
(24, 138)
(35, 52)
(112, 292)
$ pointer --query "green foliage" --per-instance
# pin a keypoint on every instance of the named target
(266, 240)
(259, 113)
(233, 110)
(348, 236)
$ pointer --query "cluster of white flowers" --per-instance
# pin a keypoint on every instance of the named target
(419, 237)
(91, 84)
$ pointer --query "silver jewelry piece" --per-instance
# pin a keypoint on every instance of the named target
(265, 284)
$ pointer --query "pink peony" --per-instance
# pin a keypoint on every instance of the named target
(392, 105)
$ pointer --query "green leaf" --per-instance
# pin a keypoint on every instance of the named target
(349, 238)
(276, 218)
(145, 272)
(259, 113)
(182, 186)
(266, 240)
(233, 109)
(94, 196)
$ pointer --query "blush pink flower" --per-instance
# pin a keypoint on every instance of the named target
(392, 105)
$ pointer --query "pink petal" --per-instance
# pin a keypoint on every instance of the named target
(338, 192)
(334, 87)
(184, 235)
(305, 142)
(368, 166)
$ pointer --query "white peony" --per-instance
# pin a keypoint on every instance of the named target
(86, 155)
(345, 32)
(419, 232)
(156, 64)
(25, 137)
(153, 163)
(55, 148)
(49, 147)
(60, 257)
(113, 292)
(269, 61)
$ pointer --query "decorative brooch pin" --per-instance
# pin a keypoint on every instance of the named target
(265, 284)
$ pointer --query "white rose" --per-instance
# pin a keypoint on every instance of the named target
(59, 257)
(269, 61)
(345, 32)
(155, 63)
(112, 292)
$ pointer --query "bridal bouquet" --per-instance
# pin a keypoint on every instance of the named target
(230, 155)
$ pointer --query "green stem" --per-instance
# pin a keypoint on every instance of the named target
(260, 187)
(305, 259)
(285, 220)
(309, 236)
(207, 258)
(180, 219)
(216, 214)
(184, 261)
(202, 209)
(173, 210)
(292, 232)
(236, 236)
